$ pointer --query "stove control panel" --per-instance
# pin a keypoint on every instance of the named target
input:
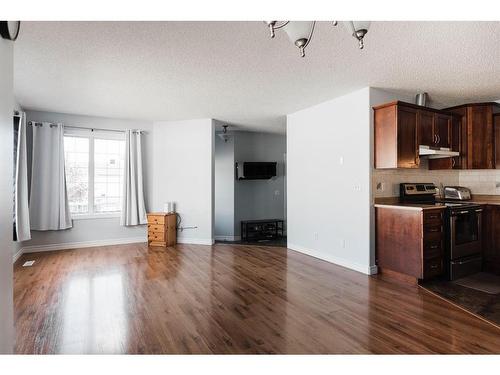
(407, 189)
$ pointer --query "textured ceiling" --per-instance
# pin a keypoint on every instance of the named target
(234, 72)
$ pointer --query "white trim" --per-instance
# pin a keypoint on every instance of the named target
(367, 270)
(227, 238)
(17, 255)
(196, 241)
(95, 216)
(78, 245)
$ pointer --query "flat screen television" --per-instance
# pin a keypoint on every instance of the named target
(250, 170)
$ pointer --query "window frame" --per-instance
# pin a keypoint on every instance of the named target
(91, 135)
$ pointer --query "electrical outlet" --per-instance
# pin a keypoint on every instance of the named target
(357, 187)
(316, 236)
(276, 192)
(342, 243)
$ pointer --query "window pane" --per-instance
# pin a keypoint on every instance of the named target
(109, 155)
(76, 154)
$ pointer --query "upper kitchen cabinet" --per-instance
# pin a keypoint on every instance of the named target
(478, 133)
(456, 144)
(434, 128)
(401, 128)
(396, 137)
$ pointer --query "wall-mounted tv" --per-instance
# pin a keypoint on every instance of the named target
(250, 170)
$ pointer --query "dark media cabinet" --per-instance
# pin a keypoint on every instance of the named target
(259, 230)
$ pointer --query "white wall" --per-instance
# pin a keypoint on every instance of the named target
(184, 173)
(103, 230)
(6, 165)
(329, 181)
(224, 189)
(260, 199)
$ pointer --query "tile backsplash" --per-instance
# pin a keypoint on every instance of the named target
(386, 181)
(483, 181)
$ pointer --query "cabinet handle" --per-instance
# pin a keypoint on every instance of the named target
(434, 246)
(438, 138)
(434, 266)
(453, 162)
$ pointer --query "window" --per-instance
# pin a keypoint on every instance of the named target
(94, 166)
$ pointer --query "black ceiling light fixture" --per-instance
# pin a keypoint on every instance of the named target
(10, 29)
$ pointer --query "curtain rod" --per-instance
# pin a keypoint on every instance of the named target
(91, 129)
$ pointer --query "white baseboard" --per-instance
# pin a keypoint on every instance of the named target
(77, 245)
(195, 241)
(17, 255)
(367, 270)
(227, 238)
(84, 244)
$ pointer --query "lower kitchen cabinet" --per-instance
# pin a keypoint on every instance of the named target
(410, 241)
(491, 239)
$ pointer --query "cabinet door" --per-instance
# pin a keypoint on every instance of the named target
(496, 130)
(491, 239)
(442, 130)
(480, 140)
(407, 138)
(456, 145)
(426, 128)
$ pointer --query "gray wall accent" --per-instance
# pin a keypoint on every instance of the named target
(103, 228)
(6, 170)
(260, 199)
(224, 188)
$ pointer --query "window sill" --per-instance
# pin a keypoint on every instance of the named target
(95, 216)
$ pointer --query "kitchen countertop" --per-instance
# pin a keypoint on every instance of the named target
(393, 202)
(486, 199)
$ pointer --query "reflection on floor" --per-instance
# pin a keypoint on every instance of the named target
(280, 242)
(227, 299)
(478, 293)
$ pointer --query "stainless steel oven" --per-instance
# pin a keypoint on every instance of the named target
(465, 239)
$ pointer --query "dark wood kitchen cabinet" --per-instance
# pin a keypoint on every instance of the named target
(410, 241)
(442, 130)
(426, 128)
(456, 144)
(478, 142)
(434, 128)
(400, 128)
(496, 132)
(396, 138)
(491, 238)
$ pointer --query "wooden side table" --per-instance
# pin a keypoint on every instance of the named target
(162, 229)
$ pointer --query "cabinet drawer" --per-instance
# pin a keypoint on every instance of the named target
(156, 236)
(156, 219)
(433, 267)
(156, 228)
(433, 216)
(433, 249)
(433, 228)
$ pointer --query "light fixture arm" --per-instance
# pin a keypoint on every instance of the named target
(302, 47)
(358, 34)
(275, 25)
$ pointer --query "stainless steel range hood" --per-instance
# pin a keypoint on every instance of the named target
(436, 153)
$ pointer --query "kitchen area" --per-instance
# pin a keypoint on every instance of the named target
(436, 191)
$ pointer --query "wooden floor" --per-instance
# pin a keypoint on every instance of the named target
(227, 299)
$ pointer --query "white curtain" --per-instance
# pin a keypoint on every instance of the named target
(49, 208)
(22, 214)
(133, 208)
